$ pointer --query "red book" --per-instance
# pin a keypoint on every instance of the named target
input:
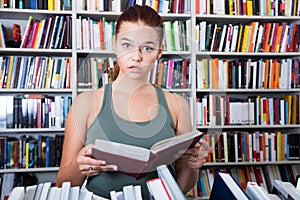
(266, 37)
(258, 177)
(136, 161)
(185, 80)
(175, 2)
(33, 34)
(197, 6)
(274, 37)
(276, 111)
(291, 46)
(220, 147)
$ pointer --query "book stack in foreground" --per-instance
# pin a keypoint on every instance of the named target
(226, 187)
(164, 187)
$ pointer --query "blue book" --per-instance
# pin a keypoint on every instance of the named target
(8, 154)
(271, 110)
(13, 74)
(47, 164)
(58, 35)
(225, 187)
(33, 4)
(67, 5)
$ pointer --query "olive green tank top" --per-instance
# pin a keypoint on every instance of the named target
(109, 126)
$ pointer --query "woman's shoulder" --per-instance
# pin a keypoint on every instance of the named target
(89, 98)
(174, 99)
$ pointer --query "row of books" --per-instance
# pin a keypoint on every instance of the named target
(34, 111)
(252, 37)
(249, 73)
(163, 187)
(256, 146)
(249, 7)
(215, 110)
(49, 191)
(98, 34)
(35, 72)
(95, 72)
(176, 35)
(53, 32)
(30, 152)
(99, 5)
(263, 176)
(171, 73)
(37, 4)
(164, 6)
(94, 34)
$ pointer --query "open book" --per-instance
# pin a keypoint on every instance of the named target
(135, 161)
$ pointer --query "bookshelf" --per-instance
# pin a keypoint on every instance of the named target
(221, 98)
(193, 53)
(25, 90)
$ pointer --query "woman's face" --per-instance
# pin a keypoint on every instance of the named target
(137, 47)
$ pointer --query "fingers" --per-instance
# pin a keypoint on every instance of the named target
(93, 170)
(90, 166)
(194, 158)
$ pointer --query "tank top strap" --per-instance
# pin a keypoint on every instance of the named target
(162, 100)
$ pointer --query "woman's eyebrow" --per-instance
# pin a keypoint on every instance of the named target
(125, 39)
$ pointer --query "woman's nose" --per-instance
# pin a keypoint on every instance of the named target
(137, 54)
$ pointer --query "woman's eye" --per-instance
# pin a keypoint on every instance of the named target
(126, 45)
(147, 49)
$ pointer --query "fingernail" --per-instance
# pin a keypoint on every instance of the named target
(103, 163)
(115, 168)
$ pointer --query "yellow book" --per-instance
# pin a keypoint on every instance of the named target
(251, 35)
(49, 72)
(26, 155)
(10, 67)
(249, 7)
(155, 5)
(39, 34)
(206, 74)
(294, 109)
(279, 144)
(230, 7)
(239, 42)
(288, 99)
(246, 38)
(205, 181)
(50, 4)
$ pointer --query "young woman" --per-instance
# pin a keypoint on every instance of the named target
(129, 110)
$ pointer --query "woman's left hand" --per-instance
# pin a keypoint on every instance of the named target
(195, 157)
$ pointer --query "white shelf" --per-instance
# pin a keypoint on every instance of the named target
(236, 127)
(32, 130)
(248, 54)
(223, 164)
(41, 169)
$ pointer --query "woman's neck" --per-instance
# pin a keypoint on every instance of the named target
(129, 85)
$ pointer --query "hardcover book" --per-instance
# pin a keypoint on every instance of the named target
(135, 161)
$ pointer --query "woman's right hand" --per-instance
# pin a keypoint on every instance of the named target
(89, 166)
